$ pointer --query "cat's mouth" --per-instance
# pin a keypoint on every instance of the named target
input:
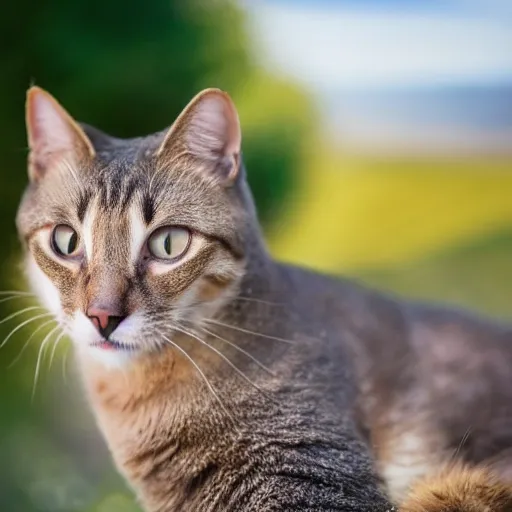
(112, 345)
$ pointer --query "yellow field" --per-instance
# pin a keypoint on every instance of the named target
(354, 212)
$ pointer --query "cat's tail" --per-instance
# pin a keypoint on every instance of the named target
(460, 489)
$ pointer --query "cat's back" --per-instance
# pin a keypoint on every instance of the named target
(396, 334)
(433, 382)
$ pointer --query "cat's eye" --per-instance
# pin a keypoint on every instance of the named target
(169, 243)
(65, 240)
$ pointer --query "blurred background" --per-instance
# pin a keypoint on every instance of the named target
(378, 143)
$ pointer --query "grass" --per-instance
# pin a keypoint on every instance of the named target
(476, 276)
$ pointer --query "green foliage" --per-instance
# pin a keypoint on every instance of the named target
(476, 276)
(278, 121)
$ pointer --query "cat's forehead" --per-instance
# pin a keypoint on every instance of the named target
(128, 187)
(129, 151)
(115, 184)
(124, 185)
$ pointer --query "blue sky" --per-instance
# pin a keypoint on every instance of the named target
(496, 6)
(331, 44)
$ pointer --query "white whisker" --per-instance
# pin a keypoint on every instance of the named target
(240, 349)
(201, 373)
(55, 343)
(460, 446)
(64, 366)
(155, 175)
(39, 356)
(21, 325)
(260, 301)
(247, 331)
(221, 355)
(12, 297)
(28, 341)
(71, 170)
(17, 293)
(18, 313)
(227, 360)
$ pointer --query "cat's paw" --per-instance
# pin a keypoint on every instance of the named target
(460, 489)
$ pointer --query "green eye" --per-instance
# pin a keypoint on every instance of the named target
(169, 243)
(64, 240)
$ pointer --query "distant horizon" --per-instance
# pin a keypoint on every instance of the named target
(505, 83)
(454, 119)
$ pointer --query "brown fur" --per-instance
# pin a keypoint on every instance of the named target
(239, 383)
(460, 489)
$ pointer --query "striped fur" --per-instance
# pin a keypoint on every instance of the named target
(234, 382)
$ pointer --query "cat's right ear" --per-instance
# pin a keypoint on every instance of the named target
(53, 135)
(207, 132)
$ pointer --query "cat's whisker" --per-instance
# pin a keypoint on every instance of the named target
(12, 297)
(165, 318)
(55, 343)
(226, 359)
(69, 168)
(16, 359)
(156, 174)
(201, 373)
(241, 350)
(39, 358)
(247, 331)
(64, 366)
(259, 301)
(17, 293)
(21, 325)
(18, 313)
(463, 441)
(166, 321)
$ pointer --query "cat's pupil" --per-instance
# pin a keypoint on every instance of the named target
(167, 243)
(72, 242)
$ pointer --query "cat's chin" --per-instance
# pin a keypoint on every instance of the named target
(112, 345)
(112, 355)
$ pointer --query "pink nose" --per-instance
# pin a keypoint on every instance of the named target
(106, 320)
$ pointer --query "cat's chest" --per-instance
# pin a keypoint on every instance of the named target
(407, 457)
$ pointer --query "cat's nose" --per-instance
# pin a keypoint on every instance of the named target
(105, 320)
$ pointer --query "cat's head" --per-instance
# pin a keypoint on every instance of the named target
(127, 239)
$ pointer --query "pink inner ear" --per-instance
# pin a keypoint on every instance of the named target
(49, 132)
(213, 129)
(206, 134)
(52, 133)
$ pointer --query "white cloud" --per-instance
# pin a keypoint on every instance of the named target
(330, 47)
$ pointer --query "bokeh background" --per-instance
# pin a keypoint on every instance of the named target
(378, 142)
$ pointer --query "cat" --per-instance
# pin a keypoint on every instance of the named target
(460, 489)
(221, 379)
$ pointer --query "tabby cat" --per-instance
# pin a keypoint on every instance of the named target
(223, 380)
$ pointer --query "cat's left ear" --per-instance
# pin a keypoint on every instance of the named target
(53, 135)
(207, 132)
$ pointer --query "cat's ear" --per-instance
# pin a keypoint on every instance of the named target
(53, 135)
(208, 132)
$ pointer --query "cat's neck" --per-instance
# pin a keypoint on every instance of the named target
(152, 416)
(130, 400)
